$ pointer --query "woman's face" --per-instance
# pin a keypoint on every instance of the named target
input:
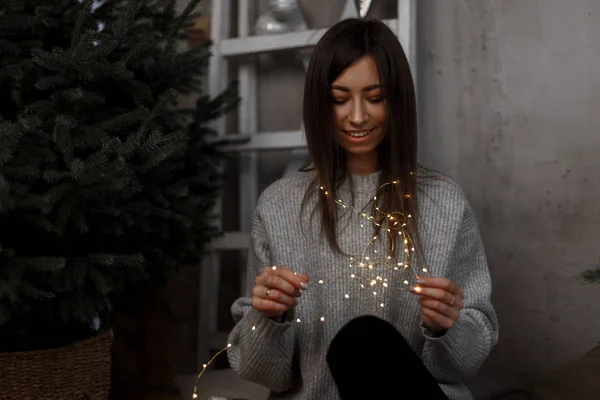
(360, 115)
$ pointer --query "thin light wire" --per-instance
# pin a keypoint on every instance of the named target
(381, 219)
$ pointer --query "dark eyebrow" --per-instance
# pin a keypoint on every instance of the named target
(366, 89)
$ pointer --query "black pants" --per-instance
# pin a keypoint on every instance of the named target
(369, 359)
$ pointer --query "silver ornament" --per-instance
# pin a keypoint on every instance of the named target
(363, 7)
(285, 10)
(267, 24)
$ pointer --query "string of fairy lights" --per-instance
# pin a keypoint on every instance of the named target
(369, 269)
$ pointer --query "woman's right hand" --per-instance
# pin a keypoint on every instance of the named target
(276, 289)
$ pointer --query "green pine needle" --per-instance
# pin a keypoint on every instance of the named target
(592, 275)
(105, 184)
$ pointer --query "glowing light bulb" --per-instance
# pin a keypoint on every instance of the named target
(382, 219)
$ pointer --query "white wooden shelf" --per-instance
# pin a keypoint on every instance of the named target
(263, 141)
(231, 241)
(248, 45)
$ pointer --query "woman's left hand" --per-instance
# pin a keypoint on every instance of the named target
(441, 301)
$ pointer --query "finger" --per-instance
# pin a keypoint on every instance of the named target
(439, 307)
(267, 282)
(268, 308)
(439, 319)
(440, 283)
(279, 283)
(298, 281)
(274, 295)
(437, 294)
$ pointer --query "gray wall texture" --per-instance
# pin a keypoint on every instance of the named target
(509, 95)
(510, 107)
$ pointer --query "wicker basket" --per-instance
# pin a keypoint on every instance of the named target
(80, 371)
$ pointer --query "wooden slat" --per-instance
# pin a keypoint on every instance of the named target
(276, 42)
(231, 241)
(207, 310)
(248, 121)
(263, 141)
(406, 30)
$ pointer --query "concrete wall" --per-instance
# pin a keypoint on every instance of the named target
(510, 107)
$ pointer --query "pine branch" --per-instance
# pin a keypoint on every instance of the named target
(592, 275)
(81, 22)
(105, 182)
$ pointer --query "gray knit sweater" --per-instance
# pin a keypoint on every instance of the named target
(289, 357)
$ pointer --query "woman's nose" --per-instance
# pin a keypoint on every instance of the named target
(358, 115)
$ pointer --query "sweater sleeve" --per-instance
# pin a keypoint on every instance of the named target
(458, 354)
(261, 349)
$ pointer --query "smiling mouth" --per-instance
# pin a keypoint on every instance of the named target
(358, 134)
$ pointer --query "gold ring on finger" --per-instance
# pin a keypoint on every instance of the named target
(268, 294)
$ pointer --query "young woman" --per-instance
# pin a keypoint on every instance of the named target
(361, 127)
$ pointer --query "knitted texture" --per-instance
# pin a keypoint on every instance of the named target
(289, 357)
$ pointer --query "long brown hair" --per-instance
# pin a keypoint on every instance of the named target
(343, 44)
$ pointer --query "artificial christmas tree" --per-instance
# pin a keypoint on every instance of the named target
(104, 182)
